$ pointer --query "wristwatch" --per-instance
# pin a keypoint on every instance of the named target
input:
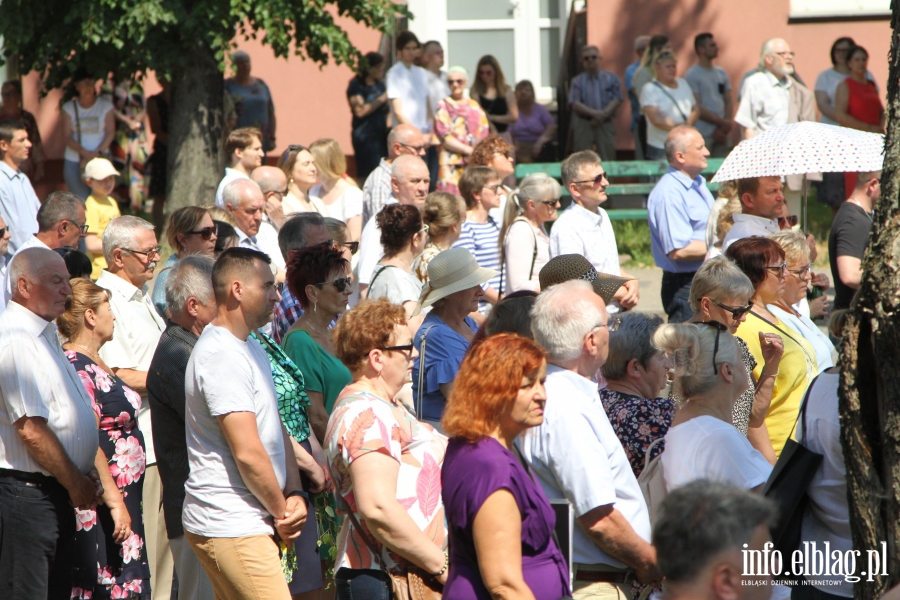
(300, 493)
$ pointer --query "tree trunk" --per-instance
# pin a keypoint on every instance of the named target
(196, 122)
(870, 370)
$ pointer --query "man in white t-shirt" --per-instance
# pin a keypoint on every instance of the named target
(244, 152)
(244, 485)
(409, 185)
(575, 453)
(712, 89)
(407, 86)
(585, 229)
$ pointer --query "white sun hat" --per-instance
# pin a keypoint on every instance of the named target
(452, 271)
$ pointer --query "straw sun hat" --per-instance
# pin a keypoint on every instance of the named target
(566, 267)
(451, 271)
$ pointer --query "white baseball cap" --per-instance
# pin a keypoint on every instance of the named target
(99, 168)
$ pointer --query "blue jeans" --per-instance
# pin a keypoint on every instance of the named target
(362, 584)
(72, 177)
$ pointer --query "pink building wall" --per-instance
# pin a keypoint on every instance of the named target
(740, 28)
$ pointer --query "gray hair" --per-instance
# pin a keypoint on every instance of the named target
(29, 263)
(234, 191)
(59, 206)
(677, 141)
(632, 340)
(794, 245)
(700, 520)
(768, 48)
(560, 320)
(120, 233)
(292, 235)
(458, 69)
(190, 277)
(570, 169)
(720, 279)
(692, 348)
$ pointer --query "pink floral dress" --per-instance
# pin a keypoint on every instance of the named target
(464, 120)
(104, 569)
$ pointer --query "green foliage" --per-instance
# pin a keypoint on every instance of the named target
(129, 37)
(633, 238)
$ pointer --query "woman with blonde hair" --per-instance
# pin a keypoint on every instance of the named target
(497, 99)
(524, 243)
(299, 167)
(444, 215)
(335, 195)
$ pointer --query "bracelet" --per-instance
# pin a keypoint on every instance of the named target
(446, 565)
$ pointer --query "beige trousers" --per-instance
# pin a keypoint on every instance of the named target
(158, 553)
(244, 568)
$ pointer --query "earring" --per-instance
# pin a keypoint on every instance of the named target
(316, 307)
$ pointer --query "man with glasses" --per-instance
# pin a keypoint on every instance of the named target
(594, 96)
(60, 223)
(18, 202)
(132, 253)
(403, 139)
(575, 454)
(584, 227)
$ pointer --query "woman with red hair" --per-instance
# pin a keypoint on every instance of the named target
(500, 521)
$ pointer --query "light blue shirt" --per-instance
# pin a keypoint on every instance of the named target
(635, 103)
(18, 206)
(678, 209)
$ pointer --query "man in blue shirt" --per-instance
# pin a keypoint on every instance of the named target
(678, 209)
(640, 44)
(594, 96)
(18, 202)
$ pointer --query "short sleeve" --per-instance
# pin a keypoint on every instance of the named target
(227, 391)
(723, 75)
(543, 115)
(575, 92)
(353, 202)
(693, 80)
(92, 216)
(745, 113)
(304, 352)
(466, 239)
(118, 353)
(822, 82)
(393, 81)
(649, 96)
(735, 461)
(615, 87)
(23, 381)
(353, 89)
(674, 224)
(486, 471)
(442, 123)
(444, 352)
(366, 427)
(852, 235)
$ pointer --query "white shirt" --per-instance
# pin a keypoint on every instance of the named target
(708, 448)
(230, 175)
(376, 190)
(37, 380)
(267, 241)
(437, 88)
(748, 226)
(527, 250)
(88, 129)
(765, 101)
(827, 519)
(825, 351)
(673, 103)
(137, 330)
(226, 375)
(370, 249)
(2, 279)
(31, 242)
(410, 86)
(349, 205)
(18, 205)
(576, 455)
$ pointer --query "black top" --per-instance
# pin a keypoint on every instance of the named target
(165, 390)
(498, 107)
(162, 107)
(849, 237)
(375, 123)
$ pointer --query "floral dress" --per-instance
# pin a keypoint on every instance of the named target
(464, 120)
(104, 569)
(638, 422)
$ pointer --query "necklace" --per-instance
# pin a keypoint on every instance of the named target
(86, 349)
(869, 214)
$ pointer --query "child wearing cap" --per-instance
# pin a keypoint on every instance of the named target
(99, 209)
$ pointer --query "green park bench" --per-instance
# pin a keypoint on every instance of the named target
(619, 170)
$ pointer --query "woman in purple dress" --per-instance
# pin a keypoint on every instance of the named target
(110, 558)
(500, 521)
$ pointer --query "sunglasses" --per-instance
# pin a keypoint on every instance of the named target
(455, 81)
(405, 348)
(3, 232)
(206, 233)
(788, 222)
(736, 311)
(352, 246)
(719, 329)
(341, 284)
(596, 181)
(494, 188)
(553, 202)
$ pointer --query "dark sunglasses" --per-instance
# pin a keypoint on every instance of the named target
(452, 81)
(291, 148)
(736, 311)
(719, 329)
(2, 232)
(352, 246)
(598, 180)
(787, 222)
(341, 284)
(406, 348)
(206, 232)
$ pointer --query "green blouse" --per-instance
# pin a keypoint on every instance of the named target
(323, 372)
(293, 403)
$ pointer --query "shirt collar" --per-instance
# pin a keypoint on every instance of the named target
(584, 213)
(584, 385)
(8, 170)
(758, 221)
(243, 236)
(27, 320)
(684, 180)
(775, 82)
(116, 284)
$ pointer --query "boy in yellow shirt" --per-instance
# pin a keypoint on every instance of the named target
(99, 209)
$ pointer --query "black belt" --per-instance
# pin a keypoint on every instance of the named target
(38, 479)
(605, 576)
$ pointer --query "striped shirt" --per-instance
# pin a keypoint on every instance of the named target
(481, 240)
(36, 380)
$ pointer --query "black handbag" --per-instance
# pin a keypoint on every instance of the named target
(788, 484)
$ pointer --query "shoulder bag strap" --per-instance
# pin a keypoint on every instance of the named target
(802, 414)
(664, 91)
(650, 449)
(780, 330)
(77, 119)
(383, 268)
(534, 252)
(421, 395)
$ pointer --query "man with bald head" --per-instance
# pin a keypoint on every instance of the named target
(409, 185)
(678, 209)
(272, 183)
(49, 435)
(403, 139)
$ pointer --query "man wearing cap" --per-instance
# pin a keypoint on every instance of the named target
(678, 209)
(18, 202)
(575, 453)
(99, 209)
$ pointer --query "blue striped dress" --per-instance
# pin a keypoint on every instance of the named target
(481, 240)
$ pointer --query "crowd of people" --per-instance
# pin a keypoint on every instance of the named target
(380, 386)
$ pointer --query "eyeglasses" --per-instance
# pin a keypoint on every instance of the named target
(612, 325)
(341, 284)
(418, 149)
(326, 243)
(736, 311)
(206, 233)
(719, 329)
(2, 232)
(352, 246)
(494, 188)
(800, 273)
(553, 202)
(596, 181)
(455, 81)
(785, 54)
(591, 57)
(148, 253)
(789, 221)
(280, 287)
(82, 226)
(405, 348)
(778, 270)
(424, 229)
